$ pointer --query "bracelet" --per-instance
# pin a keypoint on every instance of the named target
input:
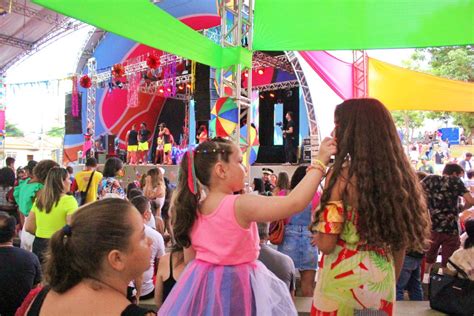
(320, 163)
(316, 167)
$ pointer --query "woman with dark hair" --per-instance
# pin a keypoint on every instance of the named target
(282, 186)
(258, 186)
(110, 186)
(202, 134)
(170, 267)
(464, 257)
(51, 210)
(91, 262)
(372, 209)
(297, 239)
(7, 202)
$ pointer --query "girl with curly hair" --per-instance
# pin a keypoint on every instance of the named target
(372, 210)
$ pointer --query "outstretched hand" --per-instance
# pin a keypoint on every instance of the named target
(327, 148)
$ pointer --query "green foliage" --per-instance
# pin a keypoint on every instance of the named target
(56, 132)
(407, 121)
(13, 131)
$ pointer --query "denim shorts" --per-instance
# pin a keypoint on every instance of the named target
(297, 244)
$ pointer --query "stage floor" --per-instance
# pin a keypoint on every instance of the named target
(134, 172)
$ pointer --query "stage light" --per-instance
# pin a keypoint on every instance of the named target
(260, 71)
(181, 87)
(168, 89)
(272, 95)
(161, 90)
(246, 74)
(261, 96)
(188, 86)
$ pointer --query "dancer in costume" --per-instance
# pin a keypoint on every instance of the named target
(220, 233)
(143, 138)
(88, 144)
(132, 145)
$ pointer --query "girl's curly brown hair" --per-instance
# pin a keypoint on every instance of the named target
(390, 200)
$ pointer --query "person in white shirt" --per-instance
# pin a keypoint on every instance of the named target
(467, 164)
(145, 287)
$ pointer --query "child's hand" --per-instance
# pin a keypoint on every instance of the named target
(327, 148)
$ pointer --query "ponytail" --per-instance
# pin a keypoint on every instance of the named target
(78, 251)
(184, 205)
(60, 272)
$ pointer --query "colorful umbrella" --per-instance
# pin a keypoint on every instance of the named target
(224, 117)
(254, 143)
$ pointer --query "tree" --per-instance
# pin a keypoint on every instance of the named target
(13, 131)
(56, 132)
(408, 121)
(457, 63)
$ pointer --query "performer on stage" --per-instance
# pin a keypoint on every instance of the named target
(132, 145)
(143, 137)
(168, 141)
(87, 146)
(290, 139)
(202, 134)
(159, 154)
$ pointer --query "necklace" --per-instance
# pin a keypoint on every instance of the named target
(96, 285)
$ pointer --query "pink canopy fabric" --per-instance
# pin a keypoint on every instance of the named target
(336, 73)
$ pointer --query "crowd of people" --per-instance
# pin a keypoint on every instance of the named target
(361, 229)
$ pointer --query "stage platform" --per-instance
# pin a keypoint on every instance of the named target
(134, 172)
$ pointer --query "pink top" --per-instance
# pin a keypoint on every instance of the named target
(219, 239)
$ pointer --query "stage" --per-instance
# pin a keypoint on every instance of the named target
(134, 172)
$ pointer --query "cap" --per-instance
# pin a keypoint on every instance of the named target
(267, 171)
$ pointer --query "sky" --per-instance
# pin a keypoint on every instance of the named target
(35, 111)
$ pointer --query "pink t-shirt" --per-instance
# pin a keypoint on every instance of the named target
(219, 239)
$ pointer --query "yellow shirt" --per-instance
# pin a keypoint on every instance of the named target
(82, 178)
(49, 223)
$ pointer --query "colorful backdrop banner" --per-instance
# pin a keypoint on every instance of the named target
(336, 73)
(146, 23)
(402, 89)
(361, 24)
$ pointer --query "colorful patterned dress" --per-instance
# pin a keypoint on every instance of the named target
(354, 276)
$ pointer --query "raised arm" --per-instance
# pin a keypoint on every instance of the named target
(256, 208)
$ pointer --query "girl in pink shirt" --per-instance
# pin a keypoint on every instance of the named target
(220, 233)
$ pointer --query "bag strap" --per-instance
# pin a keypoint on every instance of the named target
(38, 302)
(458, 269)
(89, 183)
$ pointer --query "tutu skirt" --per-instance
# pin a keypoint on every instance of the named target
(246, 289)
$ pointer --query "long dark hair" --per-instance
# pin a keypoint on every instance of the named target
(53, 188)
(96, 229)
(184, 204)
(7, 177)
(390, 201)
(112, 166)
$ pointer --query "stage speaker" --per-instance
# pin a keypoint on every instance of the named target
(73, 125)
(202, 94)
(110, 144)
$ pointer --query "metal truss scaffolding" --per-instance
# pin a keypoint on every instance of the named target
(236, 31)
(359, 58)
(313, 124)
(91, 94)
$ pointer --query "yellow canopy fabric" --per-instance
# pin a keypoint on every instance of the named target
(402, 89)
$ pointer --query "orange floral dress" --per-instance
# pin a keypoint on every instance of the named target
(355, 276)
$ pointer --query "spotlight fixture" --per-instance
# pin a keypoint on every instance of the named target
(188, 86)
(272, 95)
(181, 87)
(168, 89)
(161, 90)
(246, 74)
(260, 71)
(261, 96)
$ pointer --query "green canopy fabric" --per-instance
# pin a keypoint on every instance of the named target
(143, 22)
(361, 24)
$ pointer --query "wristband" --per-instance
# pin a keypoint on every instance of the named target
(316, 167)
(320, 163)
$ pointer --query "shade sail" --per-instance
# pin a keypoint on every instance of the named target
(361, 24)
(143, 22)
(402, 89)
(336, 73)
